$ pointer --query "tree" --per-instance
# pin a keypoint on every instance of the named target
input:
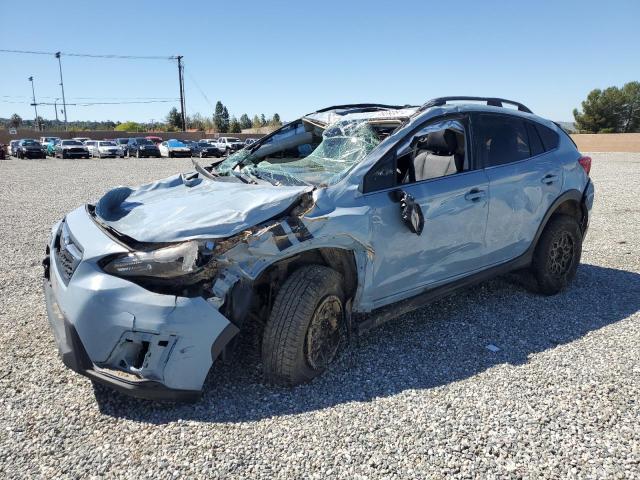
(245, 122)
(275, 121)
(128, 127)
(174, 118)
(255, 123)
(234, 126)
(611, 110)
(631, 107)
(263, 120)
(221, 118)
(15, 121)
(198, 122)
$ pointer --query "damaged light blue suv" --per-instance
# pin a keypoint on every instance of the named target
(338, 221)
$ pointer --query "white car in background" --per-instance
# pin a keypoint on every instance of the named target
(174, 148)
(104, 149)
(228, 145)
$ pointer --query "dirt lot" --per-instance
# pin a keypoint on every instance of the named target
(418, 397)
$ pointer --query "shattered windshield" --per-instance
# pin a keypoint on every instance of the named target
(309, 157)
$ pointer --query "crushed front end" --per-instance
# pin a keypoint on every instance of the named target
(112, 330)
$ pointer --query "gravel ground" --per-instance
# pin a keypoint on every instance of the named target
(418, 397)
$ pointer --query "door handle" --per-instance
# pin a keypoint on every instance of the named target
(549, 178)
(474, 195)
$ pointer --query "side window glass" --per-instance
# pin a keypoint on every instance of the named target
(382, 175)
(501, 139)
(534, 140)
(437, 150)
(549, 138)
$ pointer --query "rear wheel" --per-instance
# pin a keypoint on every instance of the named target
(557, 255)
(306, 326)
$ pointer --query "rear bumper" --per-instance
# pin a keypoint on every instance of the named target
(587, 204)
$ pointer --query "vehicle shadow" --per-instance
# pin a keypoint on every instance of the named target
(441, 343)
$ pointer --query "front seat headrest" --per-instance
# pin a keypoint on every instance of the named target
(442, 142)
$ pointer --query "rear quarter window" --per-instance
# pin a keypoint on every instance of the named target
(550, 139)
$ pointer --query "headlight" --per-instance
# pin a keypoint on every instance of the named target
(169, 262)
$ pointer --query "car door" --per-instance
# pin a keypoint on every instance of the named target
(523, 181)
(453, 202)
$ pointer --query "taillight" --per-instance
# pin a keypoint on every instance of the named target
(585, 162)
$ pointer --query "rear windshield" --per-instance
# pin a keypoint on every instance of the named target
(31, 143)
(203, 144)
(231, 139)
(175, 143)
(144, 141)
(71, 142)
(106, 144)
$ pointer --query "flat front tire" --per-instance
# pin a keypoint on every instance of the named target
(306, 327)
(557, 255)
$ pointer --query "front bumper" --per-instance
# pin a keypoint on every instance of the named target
(117, 333)
(75, 357)
(69, 154)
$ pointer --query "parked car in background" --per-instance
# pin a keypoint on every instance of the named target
(249, 141)
(204, 149)
(71, 149)
(104, 149)
(3, 151)
(81, 139)
(228, 145)
(122, 143)
(154, 139)
(51, 147)
(174, 148)
(30, 148)
(141, 147)
(47, 140)
(13, 147)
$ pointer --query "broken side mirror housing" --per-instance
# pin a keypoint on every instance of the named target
(410, 211)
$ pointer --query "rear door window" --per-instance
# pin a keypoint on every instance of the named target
(534, 140)
(501, 139)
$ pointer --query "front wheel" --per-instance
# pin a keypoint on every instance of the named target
(306, 326)
(557, 255)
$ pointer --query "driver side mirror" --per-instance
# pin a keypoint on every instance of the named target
(410, 211)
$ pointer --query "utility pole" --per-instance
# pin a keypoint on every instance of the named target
(35, 105)
(181, 80)
(64, 103)
(55, 107)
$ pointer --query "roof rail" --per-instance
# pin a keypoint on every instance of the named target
(491, 101)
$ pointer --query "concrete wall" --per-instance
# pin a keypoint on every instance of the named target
(607, 142)
(107, 134)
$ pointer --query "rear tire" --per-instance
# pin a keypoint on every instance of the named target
(306, 326)
(557, 254)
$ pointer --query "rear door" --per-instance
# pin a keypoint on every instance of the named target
(523, 181)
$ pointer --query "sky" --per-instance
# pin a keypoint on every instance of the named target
(296, 57)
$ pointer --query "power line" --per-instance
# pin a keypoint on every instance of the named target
(91, 55)
(96, 98)
(87, 104)
(193, 80)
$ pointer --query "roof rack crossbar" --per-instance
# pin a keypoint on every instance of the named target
(491, 101)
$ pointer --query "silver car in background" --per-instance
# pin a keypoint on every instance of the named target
(104, 149)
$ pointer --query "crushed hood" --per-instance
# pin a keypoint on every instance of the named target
(184, 207)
